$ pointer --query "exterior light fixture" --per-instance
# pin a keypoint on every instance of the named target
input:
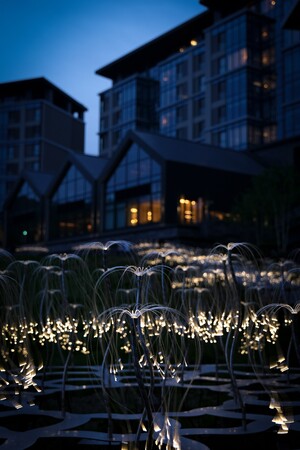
(193, 42)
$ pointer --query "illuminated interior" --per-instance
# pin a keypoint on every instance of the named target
(188, 211)
(133, 192)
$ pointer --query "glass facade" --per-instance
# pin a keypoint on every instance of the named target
(182, 92)
(235, 85)
(129, 106)
(71, 210)
(133, 192)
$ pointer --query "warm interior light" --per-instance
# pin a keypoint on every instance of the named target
(67, 225)
(188, 210)
(133, 215)
(193, 42)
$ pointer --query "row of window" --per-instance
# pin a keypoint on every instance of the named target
(14, 116)
(13, 151)
(241, 61)
(241, 136)
(15, 133)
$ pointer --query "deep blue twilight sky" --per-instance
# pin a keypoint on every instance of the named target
(66, 41)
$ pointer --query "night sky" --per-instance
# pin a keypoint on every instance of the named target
(66, 41)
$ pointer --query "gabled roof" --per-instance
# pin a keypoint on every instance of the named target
(40, 183)
(90, 166)
(93, 166)
(164, 148)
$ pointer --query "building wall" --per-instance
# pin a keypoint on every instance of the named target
(62, 129)
(235, 85)
(129, 106)
(29, 130)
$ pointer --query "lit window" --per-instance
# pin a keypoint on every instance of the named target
(187, 210)
(133, 216)
(164, 121)
(268, 56)
(193, 42)
(269, 133)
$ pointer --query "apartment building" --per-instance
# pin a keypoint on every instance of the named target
(37, 121)
(229, 77)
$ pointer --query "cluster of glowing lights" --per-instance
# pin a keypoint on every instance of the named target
(175, 297)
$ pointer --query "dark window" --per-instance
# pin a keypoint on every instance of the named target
(198, 128)
(116, 117)
(219, 66)
(198, 107)
(198, 62)
(14, 117)
(33, 115)
(198, 84)
(12, 152)
(104, 140)
(116, 99)
(181, 113)
(218, 114)
(116, 136)
(32, 132)
(12, 168)
(32, 165)
(219, 90)
(32, 150)
(13, 133)
(218, 42)
(181, 69)
(104, 103)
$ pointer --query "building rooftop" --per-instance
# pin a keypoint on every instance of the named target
(224, 6)
(91, 165)
(39, 89)
(158, 49)
(204, 155)
(166, 148)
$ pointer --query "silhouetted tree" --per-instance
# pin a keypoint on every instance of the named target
(269, 205)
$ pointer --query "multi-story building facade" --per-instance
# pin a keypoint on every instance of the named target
(36, 120)
(228, 77)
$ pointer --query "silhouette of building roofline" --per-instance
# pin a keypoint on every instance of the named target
(38, 89)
